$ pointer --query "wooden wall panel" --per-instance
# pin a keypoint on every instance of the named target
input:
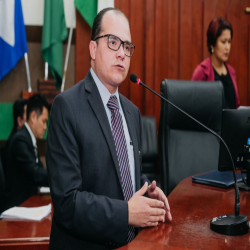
(185, 36)
(124, 6)
(240, 45)
(190, 37)
(197, 38)
(149, 108)
(170, 40)
(161, 49)
(173, 39)
(137, 26)
(83, 36)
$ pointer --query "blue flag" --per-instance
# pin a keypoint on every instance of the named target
(13, 41)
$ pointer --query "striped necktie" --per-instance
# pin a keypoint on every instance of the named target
(122, 154)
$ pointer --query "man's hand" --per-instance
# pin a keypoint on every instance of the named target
(156, 193)
(143, 211)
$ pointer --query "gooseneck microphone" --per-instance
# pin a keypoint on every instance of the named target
(230, 224)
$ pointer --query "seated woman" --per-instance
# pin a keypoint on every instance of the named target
(215, 68)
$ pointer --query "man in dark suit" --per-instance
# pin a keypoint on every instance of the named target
(25, 171)
(93, 151)
(19, 118)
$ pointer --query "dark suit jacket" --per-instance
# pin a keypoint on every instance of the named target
(84, 175)
(6, 148)
(23, 174)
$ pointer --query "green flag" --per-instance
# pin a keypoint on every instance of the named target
(88, 9)
(54, 32)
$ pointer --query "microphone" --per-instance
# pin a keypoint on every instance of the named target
(230, 224)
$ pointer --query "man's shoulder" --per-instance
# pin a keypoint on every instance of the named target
(78, 90)
(74, 89)
(21, 134)
(21, 137)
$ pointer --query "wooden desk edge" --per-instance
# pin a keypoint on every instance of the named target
(25, 240)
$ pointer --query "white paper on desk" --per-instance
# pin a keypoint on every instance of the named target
(44, 190)
(244, 107)
(27, 213)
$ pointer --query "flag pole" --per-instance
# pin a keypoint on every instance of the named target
(66, 59)
(68, 51)
(46, 71)
(27, 71)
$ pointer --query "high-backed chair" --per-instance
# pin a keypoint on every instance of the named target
(185, 148)
(149, 147)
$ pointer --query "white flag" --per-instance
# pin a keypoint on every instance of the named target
(102, 4)
(7, 21)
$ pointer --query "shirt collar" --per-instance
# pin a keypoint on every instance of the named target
(105, 94)
(33, 138)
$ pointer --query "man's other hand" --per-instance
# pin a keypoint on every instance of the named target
(146, 212)
(156, 193)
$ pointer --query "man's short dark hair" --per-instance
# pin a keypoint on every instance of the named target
(215, 28)
(18, 110)
(36, 103)
(97, 28)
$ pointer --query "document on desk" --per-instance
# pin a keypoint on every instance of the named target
(44, 190)
(27, 213)
(244, 107)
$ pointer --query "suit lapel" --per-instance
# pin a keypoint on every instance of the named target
(132, 132)
(96, 104)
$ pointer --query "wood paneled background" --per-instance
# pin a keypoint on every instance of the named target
(170, 39)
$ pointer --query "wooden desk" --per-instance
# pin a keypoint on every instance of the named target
(25, 235)
(192, 208)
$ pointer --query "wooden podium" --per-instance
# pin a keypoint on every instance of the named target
(27, 95)
(47, 88)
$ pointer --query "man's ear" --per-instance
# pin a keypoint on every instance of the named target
(33, 116)
(92, 49)
(19, 122)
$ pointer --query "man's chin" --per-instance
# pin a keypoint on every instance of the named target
(117, 83)
(119, 78)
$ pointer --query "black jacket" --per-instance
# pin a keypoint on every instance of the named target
(23, 174)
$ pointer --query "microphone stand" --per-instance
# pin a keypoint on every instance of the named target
(230, 224)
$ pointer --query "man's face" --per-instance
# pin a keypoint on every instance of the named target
(40, 124)
(111, 66)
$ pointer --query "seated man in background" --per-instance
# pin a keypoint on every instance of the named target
(25, 171)
(19, 118)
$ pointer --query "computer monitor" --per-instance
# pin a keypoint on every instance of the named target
(235, 131)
